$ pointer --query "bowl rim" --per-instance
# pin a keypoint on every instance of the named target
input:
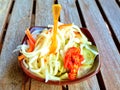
(61, 82)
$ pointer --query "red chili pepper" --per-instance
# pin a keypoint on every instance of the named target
(72, 61)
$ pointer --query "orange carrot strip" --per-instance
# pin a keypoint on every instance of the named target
(64, 25)
(30, 49)
(31, 45)
(31, 41)
(21, 57)
(29, 35)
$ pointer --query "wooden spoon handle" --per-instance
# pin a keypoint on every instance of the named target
(56, 8)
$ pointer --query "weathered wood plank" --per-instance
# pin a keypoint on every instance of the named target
(11, 76)
(90, 84)
(112, 11)
(109, 56)
(26, 83)
(69, 14)
(35, 85)
(4, 11)
(43, 17)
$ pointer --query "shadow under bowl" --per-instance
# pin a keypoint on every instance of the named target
(93, 71)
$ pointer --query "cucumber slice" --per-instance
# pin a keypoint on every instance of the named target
(89, 56)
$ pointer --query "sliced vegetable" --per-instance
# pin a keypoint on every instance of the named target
(78, 35)
(31, 42)
(89, 55)
(29, 35)
(31, 45)
(64, 26)
(21, 57)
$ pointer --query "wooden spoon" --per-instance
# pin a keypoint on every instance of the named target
(56, 8)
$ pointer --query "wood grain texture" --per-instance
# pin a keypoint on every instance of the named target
(90, 84)
(11, 76)
(44, 15)
(43, 18)
(69, 14)
(109, 56)
(26, 82)
(35, 85)
(112, 11)
(4, 10)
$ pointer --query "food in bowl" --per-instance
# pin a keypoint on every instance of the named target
(67, 55)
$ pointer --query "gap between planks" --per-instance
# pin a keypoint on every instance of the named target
(108, 25)
(118, 2)
(13, 77)
(39, 18)
(64, 87)
(89, 9)
(87, 84)
(33, 13)
(80, 14)
(99, 76)
(27, 81)
(5, 25)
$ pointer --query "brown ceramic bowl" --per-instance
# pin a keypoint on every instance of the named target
(93, 71)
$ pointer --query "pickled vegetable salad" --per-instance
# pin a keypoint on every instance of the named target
(73, 56)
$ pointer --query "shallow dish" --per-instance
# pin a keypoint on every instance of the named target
(93, 71)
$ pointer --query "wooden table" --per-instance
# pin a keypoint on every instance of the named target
(101, 17)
